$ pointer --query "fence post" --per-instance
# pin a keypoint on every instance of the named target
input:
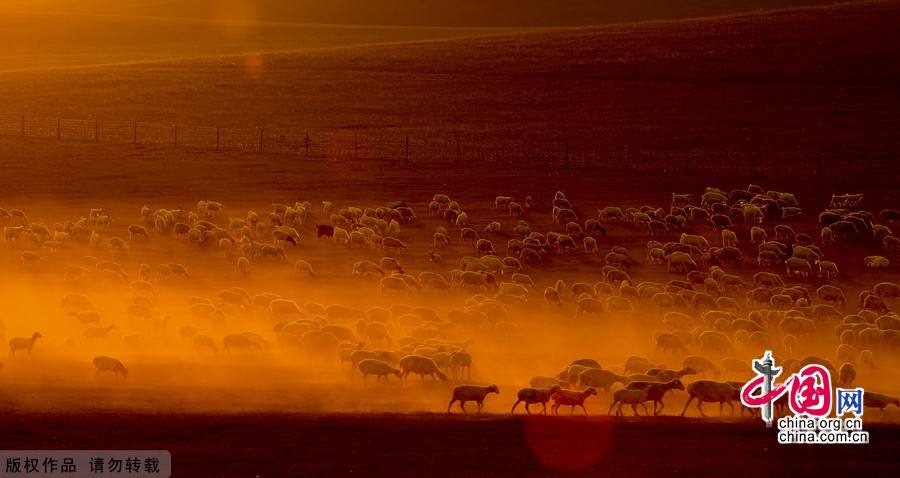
(261, 140)
(175, 135)
(307, 143)
(217, 139)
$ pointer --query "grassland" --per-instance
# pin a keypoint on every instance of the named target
(810, 80)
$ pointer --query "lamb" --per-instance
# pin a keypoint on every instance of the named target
(534, 395)
(711, 391)
(23, 343)
(878, 400)
(469, 393)
(419, 365)
(572, 399)
(108, 364)
(379, 368)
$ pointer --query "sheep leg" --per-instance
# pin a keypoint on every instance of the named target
(462, 405)
(700, 407)
(720, 408)
(528, 408)
(611, 405)
(661, 406)
(686, 405)
(450, 405)
(619, 410)
(571, 410)
(731, 405)
(584, 409)
(480, 405)
(513, 411)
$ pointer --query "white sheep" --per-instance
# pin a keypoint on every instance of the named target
(628, 397)
(529, 396)
(108, 364)
(379, 368)
(471, 393)
(419, 365)
(877, 262)
(711, 391)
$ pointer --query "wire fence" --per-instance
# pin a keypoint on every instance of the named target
(845, 167)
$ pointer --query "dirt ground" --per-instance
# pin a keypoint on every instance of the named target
(312, 445)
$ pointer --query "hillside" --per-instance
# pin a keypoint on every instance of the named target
(419, 12)
(40, 40)
(820, 79)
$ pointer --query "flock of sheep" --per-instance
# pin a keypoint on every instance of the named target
(715, 310)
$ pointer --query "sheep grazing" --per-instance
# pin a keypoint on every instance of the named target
(23, 343)
(379, 368)
(108, 364)
(878, 400)
(471, 393)
(422, 366)
(711, 391)
(572, 399)
(529, 396)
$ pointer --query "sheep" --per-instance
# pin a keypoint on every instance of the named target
(379, 368)
(469, 393)
(23, 343)
(243, 267)
(711, 391)
(98, 332)
(108, 364)
(668, 342)
(419, 365)
(393, 243)
(830, 293)
(534, 395)
(878, 400)
(630, 397)
(877, 262)
(598, 379)
(572, 399)
(828, 270)
(460, 361)
(655, 392)
(846, 375)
